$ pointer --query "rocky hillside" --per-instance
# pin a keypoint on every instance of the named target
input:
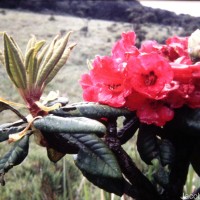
(119, 10)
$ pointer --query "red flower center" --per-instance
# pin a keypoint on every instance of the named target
(149, 79)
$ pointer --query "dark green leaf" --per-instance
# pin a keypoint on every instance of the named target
(167, 152)
(62, 100)
(57, 142)
(6, 131)
(16, 155)
(131, 124)
(90, 110)
(55, 124)
(6, 105)
(147, 143)
(3, 106)
(186, 120)
(97, 162)
(13, 124)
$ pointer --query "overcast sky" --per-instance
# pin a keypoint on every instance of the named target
(184, 7)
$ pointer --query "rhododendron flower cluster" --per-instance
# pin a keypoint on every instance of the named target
(153, 80)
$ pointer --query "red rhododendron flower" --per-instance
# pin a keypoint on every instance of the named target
(135, 100)
(90, 90)
(150, 73)
(152, 80)
(194, 99)
(180, 96)
(175, 47)
(180, 44)
(195, 68)
(125, 47)
(182, 72)
(155, 112)
(149, 46)
(107, 82)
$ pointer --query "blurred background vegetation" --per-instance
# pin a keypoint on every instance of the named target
(95, 33)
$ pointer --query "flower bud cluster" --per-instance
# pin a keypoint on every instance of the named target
(152, 80)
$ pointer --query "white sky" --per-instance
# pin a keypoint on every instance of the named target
(179, 7)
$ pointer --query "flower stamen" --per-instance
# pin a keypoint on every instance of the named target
(149, 79)
(114, 86)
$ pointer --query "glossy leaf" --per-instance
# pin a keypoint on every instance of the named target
(58, 143)
(97, 162)
(13, 124)
(6, 131)
(131, 124)
(186, 120)
(147, 143)
(14, 63)
(91, 110)
(3, 106)
(16, 155)
(167, 152)
(6, 105)
(62, 100)
(55, 124)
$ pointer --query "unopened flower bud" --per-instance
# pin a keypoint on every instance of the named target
(194, 46)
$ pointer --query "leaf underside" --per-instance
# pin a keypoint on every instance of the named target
(14, 63)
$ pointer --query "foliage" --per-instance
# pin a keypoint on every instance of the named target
(167, 143)
(32, 72)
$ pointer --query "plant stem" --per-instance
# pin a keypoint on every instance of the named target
(131, 124)
(141, 185)
(144, 188)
